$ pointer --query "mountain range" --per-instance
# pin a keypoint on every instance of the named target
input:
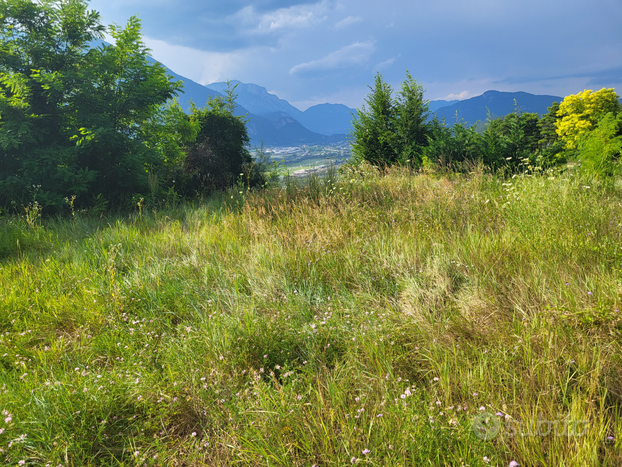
(272, 125)
(497, 103)
(278, 123)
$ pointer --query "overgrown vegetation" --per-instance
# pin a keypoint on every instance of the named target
(96, 124)
(368, 321)
(585, 128)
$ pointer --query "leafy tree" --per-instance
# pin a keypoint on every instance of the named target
(72, 116)
(168, 132)
(219, 157)
(42, 50)
(600, 149)
(580, 113)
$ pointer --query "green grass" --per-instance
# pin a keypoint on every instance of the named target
(366, 321)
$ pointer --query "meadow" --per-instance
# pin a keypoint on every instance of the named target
(377, 318)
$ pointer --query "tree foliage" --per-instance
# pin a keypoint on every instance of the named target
(600, 149)
(72, 117)
(219, 156)
(373, 132)
(448, 145)
(412, 123)
(580, 113)
(586, 126)
(388, 130)
(516, 138)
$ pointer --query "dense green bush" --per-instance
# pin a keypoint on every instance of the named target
(219, 155)
(97, 124)
(601, 148)
(72, 116)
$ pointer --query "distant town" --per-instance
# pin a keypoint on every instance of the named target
(300, 160)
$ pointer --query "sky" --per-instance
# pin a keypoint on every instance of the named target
(312, 52)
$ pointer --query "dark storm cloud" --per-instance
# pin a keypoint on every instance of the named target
(329, 50)
(204, 25)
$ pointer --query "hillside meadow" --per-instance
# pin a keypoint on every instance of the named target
(377, 319)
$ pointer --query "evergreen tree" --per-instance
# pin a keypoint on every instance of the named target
(412, 123)
(388, 130)
(373, 135)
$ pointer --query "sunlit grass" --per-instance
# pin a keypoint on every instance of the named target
(367, 319)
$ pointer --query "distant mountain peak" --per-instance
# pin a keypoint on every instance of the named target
(257, 99)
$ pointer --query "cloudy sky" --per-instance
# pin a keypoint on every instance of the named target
(328, 51)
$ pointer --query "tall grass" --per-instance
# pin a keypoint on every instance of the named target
(376, 319)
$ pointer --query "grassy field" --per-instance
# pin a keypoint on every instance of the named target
(381, 320)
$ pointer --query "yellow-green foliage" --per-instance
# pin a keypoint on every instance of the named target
(579, 113)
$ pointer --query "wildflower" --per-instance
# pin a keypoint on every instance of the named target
(486, 460)
(514, 464)
(353, 460)
(194, 433)
(366, 451)
(435, 378)
(137, 453)
(22, 462)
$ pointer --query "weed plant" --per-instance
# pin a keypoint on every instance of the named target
(381, 319)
